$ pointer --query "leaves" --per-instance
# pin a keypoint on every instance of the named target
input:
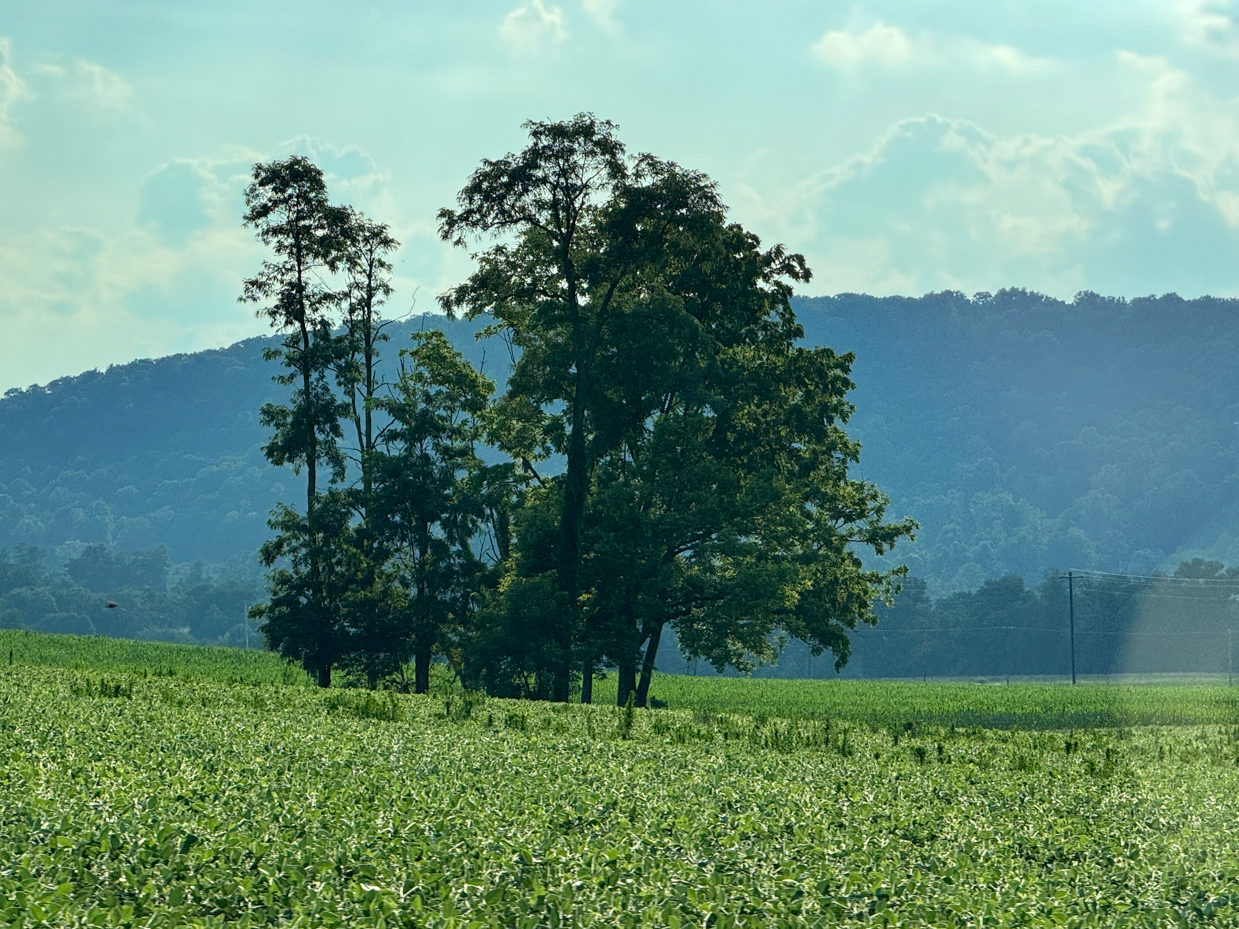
(191, 805)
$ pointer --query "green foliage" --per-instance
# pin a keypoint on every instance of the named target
(429, 500)
(184, 801)
(366, 704)
(705, 481)
(313, 571)
(896, 705)
(98, 569)
(1061, 442)
(628, 716)
(137, 659)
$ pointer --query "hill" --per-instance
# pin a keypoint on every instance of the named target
(1022, 432)
(1025, 433)
(156, 452)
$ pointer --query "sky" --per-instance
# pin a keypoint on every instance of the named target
(903, 147)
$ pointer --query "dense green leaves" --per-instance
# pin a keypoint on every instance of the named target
(169, 802)
(431, 500)
(706, 468)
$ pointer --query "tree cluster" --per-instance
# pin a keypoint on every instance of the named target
(125, 595)
(702, 464)
(1162, 623)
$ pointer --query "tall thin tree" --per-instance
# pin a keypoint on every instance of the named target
(288, 207)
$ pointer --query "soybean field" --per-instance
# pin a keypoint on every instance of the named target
(171, 787)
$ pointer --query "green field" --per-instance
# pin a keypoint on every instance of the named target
(155, 785)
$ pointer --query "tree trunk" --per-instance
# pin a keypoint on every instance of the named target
(627, 681)
(576, 487)
(570, 548)
(647, 666)
(587, 680)
(324, 674)
(421, 658)
(421, 671)
(503, 535)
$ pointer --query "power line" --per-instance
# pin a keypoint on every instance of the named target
(1227, 581)
(1221, 630)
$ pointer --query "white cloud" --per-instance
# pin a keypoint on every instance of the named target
(1207, 24)
(602, 12)
(881, 45)
(352, 175)
(533, 24)
(87, 82)
(890, 47)
(101, 86)
(167, 280)
(73, 298)
(12, 89)
(1146, 202)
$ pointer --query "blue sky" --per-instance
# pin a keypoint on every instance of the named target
(904, 147)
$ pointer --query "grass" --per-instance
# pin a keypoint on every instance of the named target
(130, 800)
(141, 658)
(1031, 706)
(147, 784)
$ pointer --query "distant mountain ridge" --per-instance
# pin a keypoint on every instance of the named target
(1023, 433)
(155, 452)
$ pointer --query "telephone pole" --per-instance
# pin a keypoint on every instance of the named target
(1071, 607)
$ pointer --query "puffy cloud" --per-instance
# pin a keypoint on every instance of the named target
(73, 298)
(1146, 203)
(100, 86)
(1207, 24)
(89, 83)
(533, 24)
(168, 279)
(881, 45)
(890, 47)
(351, 173)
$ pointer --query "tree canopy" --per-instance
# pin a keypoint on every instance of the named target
(706, 467)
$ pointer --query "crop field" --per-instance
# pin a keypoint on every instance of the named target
(223, 791)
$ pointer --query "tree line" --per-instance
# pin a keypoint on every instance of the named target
(1182, 622)
(139, 594)
(1163, 623)
(669, 455)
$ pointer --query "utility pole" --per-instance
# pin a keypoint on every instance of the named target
(247, 627)
(1071, 607)
(1230, 657)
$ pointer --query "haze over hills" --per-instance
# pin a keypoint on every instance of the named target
(1024, 433)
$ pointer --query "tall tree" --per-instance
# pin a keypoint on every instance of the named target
(429, 498)
(366, 259)
(706, 467)
(727, 510)
(288, 207)
(582, 226)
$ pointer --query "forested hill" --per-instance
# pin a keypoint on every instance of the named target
(158, 452)
(1025, 433)
(1022, 432)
